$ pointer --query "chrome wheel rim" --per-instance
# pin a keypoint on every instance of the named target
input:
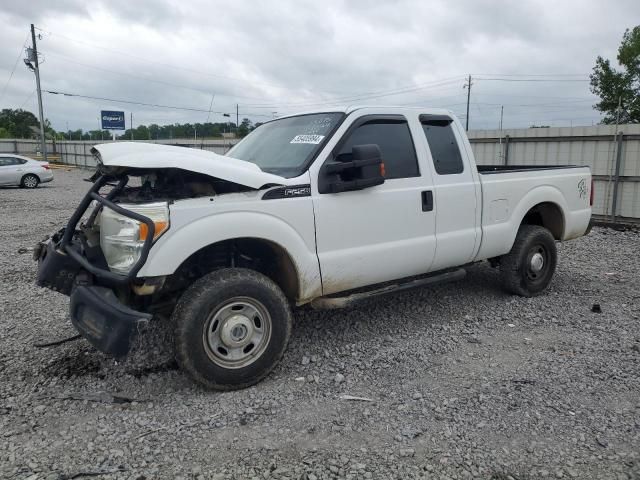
(30, 182)
(237, 332)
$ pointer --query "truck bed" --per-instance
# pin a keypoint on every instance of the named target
(507, 197)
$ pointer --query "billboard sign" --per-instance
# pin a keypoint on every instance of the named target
(112, 120)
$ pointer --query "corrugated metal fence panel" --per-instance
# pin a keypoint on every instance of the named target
(8, 146)
(629, 199)
(631, 158)
(79, 152)
(592, 146)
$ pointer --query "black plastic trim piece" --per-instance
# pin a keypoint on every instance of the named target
(435, 119)
(494, 169)
(427, 201)
(99, 317)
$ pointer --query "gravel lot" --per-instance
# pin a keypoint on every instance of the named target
(464, 380)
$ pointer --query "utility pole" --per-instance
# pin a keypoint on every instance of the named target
(617, 138)
(501, 115)
(43, 142)
(237, 119)
(468, 87)
(131, 125)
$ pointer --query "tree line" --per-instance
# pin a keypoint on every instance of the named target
(20, 123)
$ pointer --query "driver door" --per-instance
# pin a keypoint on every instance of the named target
(380, 233)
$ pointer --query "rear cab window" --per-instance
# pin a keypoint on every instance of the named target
(445, 152)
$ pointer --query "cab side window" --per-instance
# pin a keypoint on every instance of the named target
(395, 142)
(443, 145)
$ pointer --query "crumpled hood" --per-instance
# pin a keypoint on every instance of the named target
(154, 155)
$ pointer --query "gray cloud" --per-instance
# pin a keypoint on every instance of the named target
(283, 56)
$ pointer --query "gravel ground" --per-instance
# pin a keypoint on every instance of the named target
(464, 381)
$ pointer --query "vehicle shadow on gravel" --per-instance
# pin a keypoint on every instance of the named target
(74, 362)
(316, 332)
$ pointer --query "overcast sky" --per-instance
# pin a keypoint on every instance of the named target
(285, 56)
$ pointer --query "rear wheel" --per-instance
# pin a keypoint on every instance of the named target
(231, 328)
(29, 181)
(528, 268)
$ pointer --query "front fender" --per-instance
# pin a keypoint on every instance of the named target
(180, 242)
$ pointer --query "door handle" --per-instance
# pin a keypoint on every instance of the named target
(427, 201)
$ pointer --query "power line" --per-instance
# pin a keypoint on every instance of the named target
(130, 102)
(4, 89)
(68, 59)
(118, 52)
(358, 97)
(127, 54)
(533, 79)
(533, 74)
(353, 97)
(116, 72)
(133, 102)
(28, 98)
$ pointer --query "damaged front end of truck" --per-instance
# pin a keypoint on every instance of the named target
(95, 259)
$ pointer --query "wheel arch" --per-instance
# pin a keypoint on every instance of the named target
(548, 215)
(259, 254)
(32, 174)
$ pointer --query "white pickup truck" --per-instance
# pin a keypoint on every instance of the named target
(323, 208)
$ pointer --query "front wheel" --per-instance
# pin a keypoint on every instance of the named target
(528, 268)
(232, 327)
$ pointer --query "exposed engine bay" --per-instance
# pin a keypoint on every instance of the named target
(167, 184)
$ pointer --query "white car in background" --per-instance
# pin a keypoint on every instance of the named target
(23, 171)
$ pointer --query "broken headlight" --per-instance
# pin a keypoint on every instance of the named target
(122, 238)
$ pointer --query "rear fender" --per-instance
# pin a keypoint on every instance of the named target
(498, 238)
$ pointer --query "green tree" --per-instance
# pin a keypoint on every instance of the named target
(245, 127)
(622, 86)
(18, 122)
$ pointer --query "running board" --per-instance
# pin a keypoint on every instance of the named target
(328, 303)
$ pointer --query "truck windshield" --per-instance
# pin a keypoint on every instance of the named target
(284, 147)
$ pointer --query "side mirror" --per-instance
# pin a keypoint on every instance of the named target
(362, 168)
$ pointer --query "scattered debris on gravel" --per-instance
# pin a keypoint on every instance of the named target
(456, 381)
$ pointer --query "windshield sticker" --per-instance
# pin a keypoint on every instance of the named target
(313, 139)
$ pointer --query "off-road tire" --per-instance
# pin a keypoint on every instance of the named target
(29, 181)
(192, 316)
(518, 275)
